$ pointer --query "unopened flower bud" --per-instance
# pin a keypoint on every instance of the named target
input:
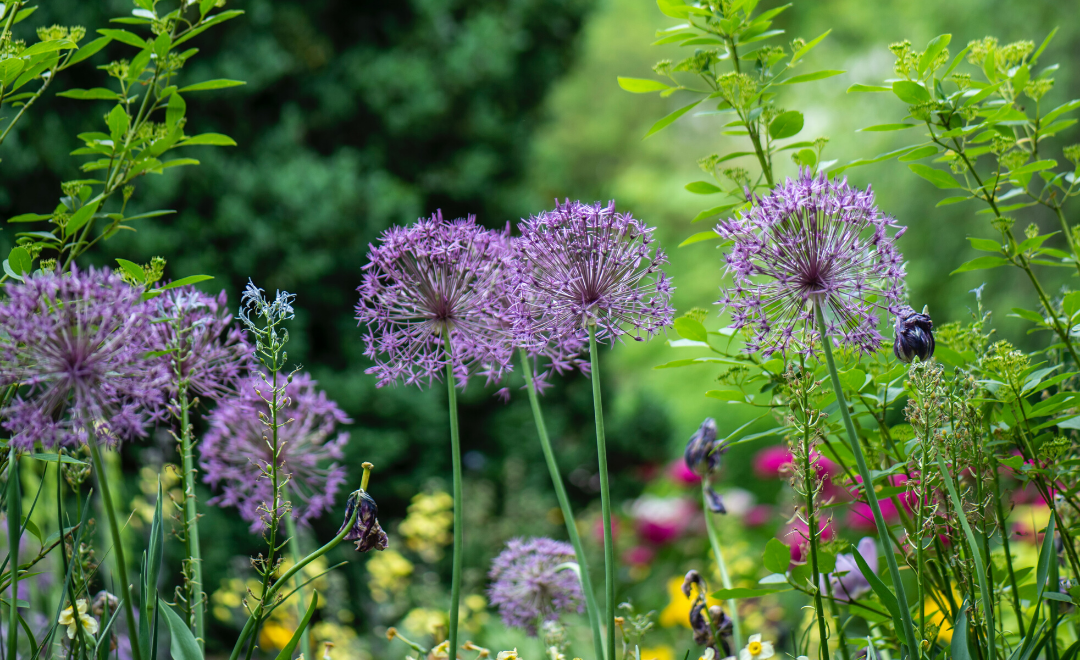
(700, 455)
(715, 502)
(365, 531)
(914, 336)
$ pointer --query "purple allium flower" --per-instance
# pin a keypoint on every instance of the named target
(530, 584)
(847, 581)
(214, 354)
(430, 282)
(75, 344)
(811, 240)
(914, 336)
(236, 451)
(589, 264)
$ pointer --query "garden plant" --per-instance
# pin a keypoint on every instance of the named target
(931, 477)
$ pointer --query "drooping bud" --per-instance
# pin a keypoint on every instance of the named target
(701, 455)
(914, 336)
(715, 502)
(365, 531)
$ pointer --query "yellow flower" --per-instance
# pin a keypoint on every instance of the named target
(756, 649)
(388, 574)
(677, 612)
(88, 623)
(427, 527)
(425, 621)
(662, 652)
(275, 635)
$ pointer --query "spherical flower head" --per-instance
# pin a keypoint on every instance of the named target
(235, 452)
(75, 344)
(204, 347)
(429, 298)
(530, 583)
(811, 241)
(591, 266)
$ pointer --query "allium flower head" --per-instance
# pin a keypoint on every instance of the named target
(76, 345)
(429, 297)
(590, 265)
(811, 241)
(236, 453)
(530, 585)
(206, 348)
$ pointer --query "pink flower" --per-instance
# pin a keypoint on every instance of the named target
(639, 555)
(680, 473)
(796, 534)
(661, 520)
(771, 462)
(758, 515)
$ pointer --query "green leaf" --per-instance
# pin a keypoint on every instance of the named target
(20, 261)
(985, 244)
(88, 94)
(981, 263)
(744, 592)
(777, 556)
(859, 87)
(183, 645)
(1060, 110)
(716, 210)
(287, 651)
(689, 328)
(1035, 166)
(213, 139)
(954, 200)
(184, 281)
(853, 379)
(939, 178)
(879, 128)
(673, 8)
(806, 48)
(958, 647)
(910, 92)
(807, 77)
(175, 110)
(919, 154)
(53, 458)
(933, 49)
(670, 119)
(703, 188)
(81, 217)
(124, 36)
(220, 83)
(785, 125)
(134, 270)
(888, 598)
(118, 124)
(640, 85)
(806, 157)
(46, 47)
(699, 237)
(88, 50)
(726, 395)
(876, 159)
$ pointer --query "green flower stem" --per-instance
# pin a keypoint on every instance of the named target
(14, 516)
(564, 504)
(294, 550)
(455, 453)
(605, 496)
(714, 541)
(118, 542)
(1015, 592)
(868, 487)
(191, 521)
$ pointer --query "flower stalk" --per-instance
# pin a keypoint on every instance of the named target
(725, 579)
(455, 457)
(196, 600)
(605, 496)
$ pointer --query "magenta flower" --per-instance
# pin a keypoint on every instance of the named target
(207, 349)
(530, 583)
(812, 241)
(75, 345)
(430, 296)
(236, 454)
(590, 265)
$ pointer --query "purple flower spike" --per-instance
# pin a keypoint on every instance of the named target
(430, 282)
(589, 264)
(76, 346)
(812, 241)
(235, 451)
(528, 585)
(214, 355)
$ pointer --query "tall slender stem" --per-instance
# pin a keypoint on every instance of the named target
(868, 486)
(191, 522)
(714, 541)
(605, 496)
(564, 504)
(118, 542)
(455, 453)
(14, 513)
(297, 555)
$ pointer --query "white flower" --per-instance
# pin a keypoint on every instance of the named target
(756, 649)
(709, 654)
(88, 623)
(508, 655)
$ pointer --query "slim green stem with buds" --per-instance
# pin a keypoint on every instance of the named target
(564, 504)
(868, 487)
(455, 455)
(191, 521)
(605, 496)
(714, 541)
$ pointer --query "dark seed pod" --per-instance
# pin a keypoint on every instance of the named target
(914, 336)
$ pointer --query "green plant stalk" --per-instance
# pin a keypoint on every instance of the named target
(118, 542)
(191, 520)
(294, 549)
(812, 532)
(564, 504)
(455, 454)
(976, 556)
(14, 516)
(868, 485)
(725, 579)
(1068, 234)
(841, 636)
(1008, 552)
(605, 495)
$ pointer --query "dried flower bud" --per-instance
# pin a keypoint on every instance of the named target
(914, 336)
(700, 455)
(366, 531)
(715, 502)
(104, 602)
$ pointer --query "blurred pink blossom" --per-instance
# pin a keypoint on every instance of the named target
(681, 474)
